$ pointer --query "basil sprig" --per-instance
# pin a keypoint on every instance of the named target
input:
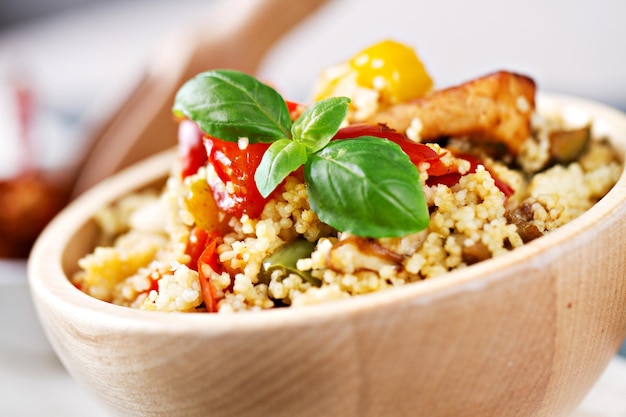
(366, 186)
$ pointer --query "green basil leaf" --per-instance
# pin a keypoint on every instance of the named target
(366, 186)
(282, 158)
(230, 105)
(319, 122)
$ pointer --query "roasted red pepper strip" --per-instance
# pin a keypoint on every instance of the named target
(154, 284)
(417, 152)
(209, 257)
(506, 189)
(191, 149)
(438, 172)
(454, 177)
(195, 246)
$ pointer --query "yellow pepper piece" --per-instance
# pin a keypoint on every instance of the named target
(202, 205)
(393, 69)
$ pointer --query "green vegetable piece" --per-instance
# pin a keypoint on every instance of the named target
(284, 259)
(366, 186)
(230, 105)
(567, 145)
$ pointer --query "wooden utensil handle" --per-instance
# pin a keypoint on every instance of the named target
(236, 35)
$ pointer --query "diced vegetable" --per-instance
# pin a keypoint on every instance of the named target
(202, 206)
(209, 259)
(190, 147)
(284, 260)
(417, 152)
(394, 69)
(389, 67)
(235, 167)
(567, 145)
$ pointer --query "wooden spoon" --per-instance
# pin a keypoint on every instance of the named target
(236, 35)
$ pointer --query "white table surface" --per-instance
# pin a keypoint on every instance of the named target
(84, 60)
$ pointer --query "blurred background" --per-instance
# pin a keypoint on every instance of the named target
(66, 65)
(79, 52)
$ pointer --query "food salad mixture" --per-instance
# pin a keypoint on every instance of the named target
(383, 180)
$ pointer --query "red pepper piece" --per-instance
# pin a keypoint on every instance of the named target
(191, 148)
(209, 257)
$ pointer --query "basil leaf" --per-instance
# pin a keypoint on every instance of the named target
(319, 122)
(366, 186)
(282, 158)
(230, 105)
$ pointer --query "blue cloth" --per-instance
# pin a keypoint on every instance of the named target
(622, 351)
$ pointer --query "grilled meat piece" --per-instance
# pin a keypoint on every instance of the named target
(496, 108)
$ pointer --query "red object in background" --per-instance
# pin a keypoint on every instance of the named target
(29, 200)
(25, 105)
(28, 203)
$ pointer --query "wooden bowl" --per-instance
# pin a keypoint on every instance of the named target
(525, 334)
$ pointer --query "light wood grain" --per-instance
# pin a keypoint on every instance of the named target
(526, 334)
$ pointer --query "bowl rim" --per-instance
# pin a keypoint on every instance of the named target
(57, 290)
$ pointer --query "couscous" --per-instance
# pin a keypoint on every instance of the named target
(383, 181)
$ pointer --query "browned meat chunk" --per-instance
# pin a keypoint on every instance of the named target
(496, 107)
